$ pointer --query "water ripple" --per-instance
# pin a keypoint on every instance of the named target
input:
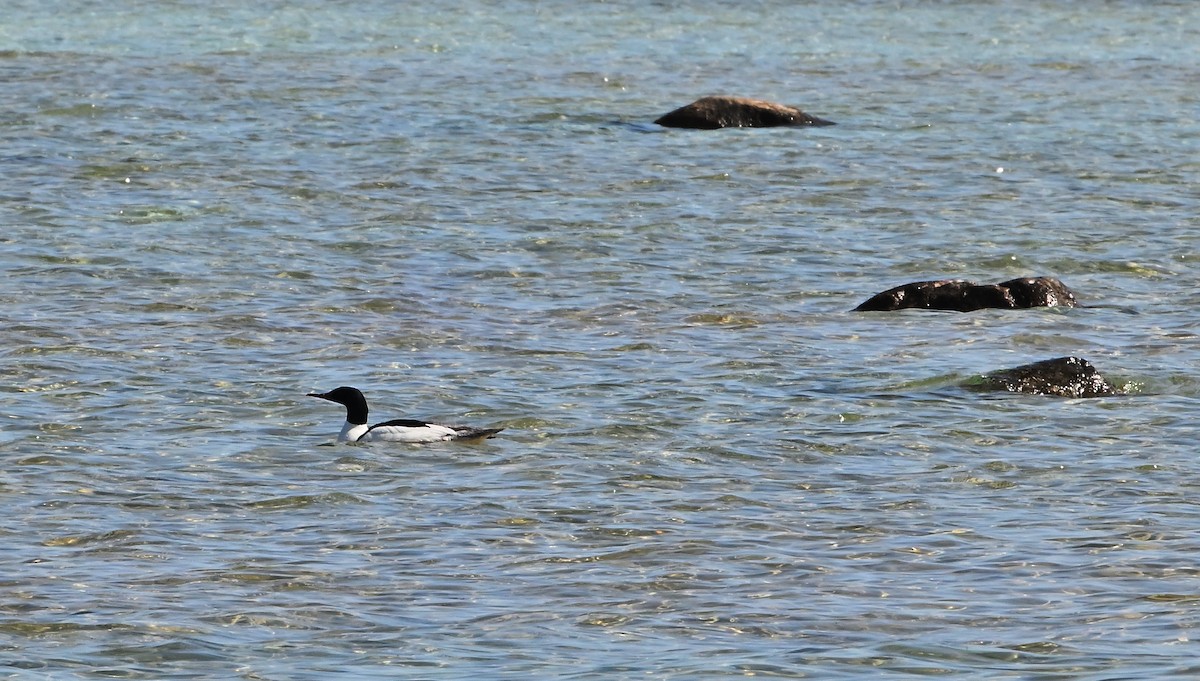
(711, 468)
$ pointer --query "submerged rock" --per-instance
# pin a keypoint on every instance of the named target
(710, 113)
(964, 296)
(1062, 376)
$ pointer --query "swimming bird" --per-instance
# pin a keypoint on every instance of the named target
(401, 430)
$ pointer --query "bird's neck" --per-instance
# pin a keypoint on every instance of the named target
(356, 414)
(352, 431)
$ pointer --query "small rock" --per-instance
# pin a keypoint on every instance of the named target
(710, 113)
(965, 296)
(1062, 376)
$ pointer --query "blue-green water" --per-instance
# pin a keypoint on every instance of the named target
(711, 468)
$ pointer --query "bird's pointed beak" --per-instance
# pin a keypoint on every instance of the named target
(320, 395)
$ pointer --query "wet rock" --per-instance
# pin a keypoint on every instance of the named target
(946, 294)
(710, 113)
(1062, 376)
(964, 296)
(1039, 292)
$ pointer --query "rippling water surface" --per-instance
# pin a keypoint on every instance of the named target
(711, 468)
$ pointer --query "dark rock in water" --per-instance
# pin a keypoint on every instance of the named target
(710, 113)
(946, 294)
(1039, 292)
(1062, 376)
(965, 296)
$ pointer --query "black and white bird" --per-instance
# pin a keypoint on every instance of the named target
(401, 430)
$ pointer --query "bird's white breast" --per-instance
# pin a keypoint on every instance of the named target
(430, 432)
(351, 432)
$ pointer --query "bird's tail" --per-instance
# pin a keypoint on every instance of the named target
(468, 433)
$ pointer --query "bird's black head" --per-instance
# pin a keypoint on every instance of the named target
(351, 398)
